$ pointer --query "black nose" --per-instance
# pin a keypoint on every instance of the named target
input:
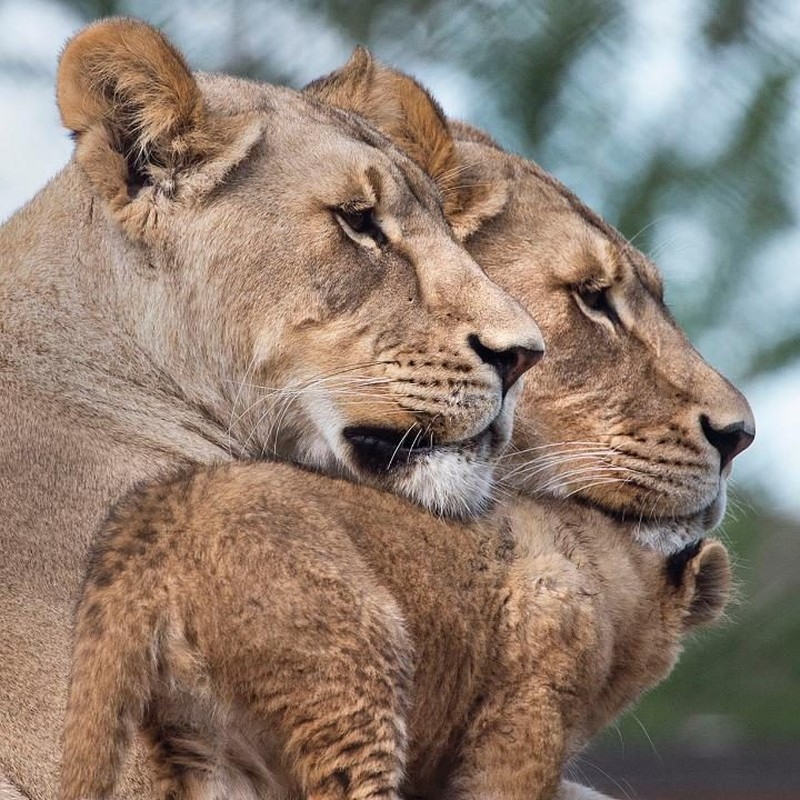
(510, 364)
(729, 440)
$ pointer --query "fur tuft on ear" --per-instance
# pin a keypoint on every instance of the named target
(138, 115)
(126, 77)
(407, 114)
(482, 191)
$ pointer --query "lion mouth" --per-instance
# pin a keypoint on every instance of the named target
(708, 517)
(450, 478)
(379, 449)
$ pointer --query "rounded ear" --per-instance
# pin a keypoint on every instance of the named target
(405, 112)
(396, 105)
(482, 192)
(710, 571)
(126, 77)
(137, 112)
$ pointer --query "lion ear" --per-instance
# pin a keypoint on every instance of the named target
(396, 105)
(709, 576)
(482, 191)
(139, 120)
(408, 115)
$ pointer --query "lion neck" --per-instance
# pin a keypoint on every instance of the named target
(86, 322)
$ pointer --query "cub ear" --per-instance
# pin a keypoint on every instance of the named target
(138, 117)
(405, 112)
(706, 581)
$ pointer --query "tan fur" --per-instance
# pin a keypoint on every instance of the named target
(184, 292)
(347, 636)
(149, 147)
(9, 792)
(614, 415)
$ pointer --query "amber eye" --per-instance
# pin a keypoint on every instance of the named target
(596, 300)
(362, 222)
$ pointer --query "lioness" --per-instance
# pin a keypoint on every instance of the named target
(272, 632)
(225, 269)
(623, 415)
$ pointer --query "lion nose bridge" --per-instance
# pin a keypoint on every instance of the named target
(498, 329)
(721, 412)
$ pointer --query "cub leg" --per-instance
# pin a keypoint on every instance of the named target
(326, 690)
(322, 696)
(319, 698)
(325, 737)
(514, 749)
(324, 708)
(338, 714)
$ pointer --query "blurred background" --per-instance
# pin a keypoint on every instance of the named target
(677, 120)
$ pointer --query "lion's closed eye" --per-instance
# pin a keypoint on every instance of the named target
(361, 225)
(596, 303)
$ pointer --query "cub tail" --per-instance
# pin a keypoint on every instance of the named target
(115, 661)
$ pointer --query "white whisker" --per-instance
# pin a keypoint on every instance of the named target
(586, 486)
(400, 444)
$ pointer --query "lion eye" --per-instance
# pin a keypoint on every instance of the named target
(596, 301)
(362, 222)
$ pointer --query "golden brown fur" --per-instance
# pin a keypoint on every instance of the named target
(320, 646)
(623, 415)
(87, 412)
(189, 290)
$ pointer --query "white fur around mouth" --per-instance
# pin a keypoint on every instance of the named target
(670, 535)
(453, 479)
(449, 483)
(449, 479)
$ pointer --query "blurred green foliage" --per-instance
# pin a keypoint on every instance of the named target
(561, 82)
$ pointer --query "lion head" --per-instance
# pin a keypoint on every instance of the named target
(623, 414)
(292, 271)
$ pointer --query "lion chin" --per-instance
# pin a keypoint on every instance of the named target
(671, 535)
(450, 478)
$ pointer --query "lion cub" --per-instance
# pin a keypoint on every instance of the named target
(327, 647)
